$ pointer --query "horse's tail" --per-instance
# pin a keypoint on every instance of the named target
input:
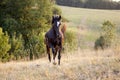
(62, 31)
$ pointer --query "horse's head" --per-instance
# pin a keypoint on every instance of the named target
(56, 25)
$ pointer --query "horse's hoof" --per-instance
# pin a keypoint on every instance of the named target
(54, 63)
(59, 63)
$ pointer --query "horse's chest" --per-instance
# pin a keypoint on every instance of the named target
(51, 34)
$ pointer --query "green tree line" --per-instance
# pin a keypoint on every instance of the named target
(23, 24)
(94, 4)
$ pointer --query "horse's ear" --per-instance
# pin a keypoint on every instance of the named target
(59, 17)
(52, 16)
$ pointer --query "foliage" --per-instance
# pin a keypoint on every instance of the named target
(28, 14)
(23, 17)
(17, 47)
(4, 46)
(35, 46)
(18, 10)
(10, 25)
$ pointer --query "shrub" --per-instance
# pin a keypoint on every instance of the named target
(100, 43)
(70, 40)
(35, 46)
(4, 46)
(108, 35)
(17, 46)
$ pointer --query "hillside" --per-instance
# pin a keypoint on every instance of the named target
(89, 22)
(78, 65)
(91, 17)
(82, 64)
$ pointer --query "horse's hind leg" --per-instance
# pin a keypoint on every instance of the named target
(48, 52)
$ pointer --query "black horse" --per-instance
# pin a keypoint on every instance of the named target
(53, 39)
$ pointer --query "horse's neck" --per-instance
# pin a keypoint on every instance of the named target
(52, 28)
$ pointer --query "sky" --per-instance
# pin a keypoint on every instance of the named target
(116, 0)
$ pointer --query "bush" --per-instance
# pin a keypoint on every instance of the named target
(108, 35)
(17, 46)
(35, 46)
(70, 40)
(100, 43)
(4, 46)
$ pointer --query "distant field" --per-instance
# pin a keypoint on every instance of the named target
(88, 22)
(90, 17)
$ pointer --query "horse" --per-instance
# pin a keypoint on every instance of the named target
(54, 39)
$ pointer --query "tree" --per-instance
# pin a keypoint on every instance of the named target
(24, 17)
(28, 14)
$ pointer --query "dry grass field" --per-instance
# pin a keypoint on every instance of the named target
(77, 65)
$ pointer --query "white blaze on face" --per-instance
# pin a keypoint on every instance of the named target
(58, 23)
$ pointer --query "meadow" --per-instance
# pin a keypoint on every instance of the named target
(88, 23)
(82, 64)
(90, 17)
(77, 65)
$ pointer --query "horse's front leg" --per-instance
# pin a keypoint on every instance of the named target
(54, 56)
(59, 56)
(48, 52)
